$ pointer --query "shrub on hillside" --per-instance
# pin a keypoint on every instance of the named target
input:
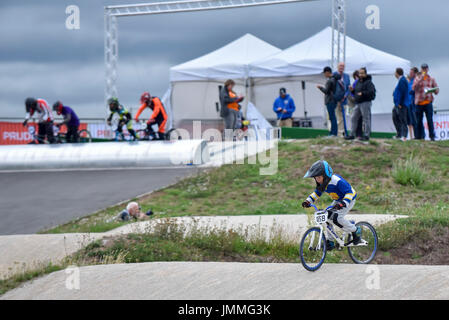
(408, 172)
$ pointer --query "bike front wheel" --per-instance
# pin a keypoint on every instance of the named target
(312, 251)
(84, 136)
(365, 252)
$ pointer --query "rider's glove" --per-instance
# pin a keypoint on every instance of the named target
(25, 123)
(306, 204)
(339, 206)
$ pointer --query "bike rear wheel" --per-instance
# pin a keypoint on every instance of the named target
(173, 134)
(366, 253)
(312, 254)
(84, 136)
(143, 135)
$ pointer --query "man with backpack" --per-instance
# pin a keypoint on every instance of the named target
(331, 96)
(364, 94)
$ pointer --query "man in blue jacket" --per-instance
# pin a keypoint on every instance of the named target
(284, 106)
(401, 103)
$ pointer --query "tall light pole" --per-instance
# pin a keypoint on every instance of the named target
(338, 32)
(112, 13)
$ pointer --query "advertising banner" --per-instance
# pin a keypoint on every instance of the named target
(441, 125)
(16, 133)
(103, 131)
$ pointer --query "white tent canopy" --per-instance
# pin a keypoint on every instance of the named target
(260, 69)
(310, 56)
(194, 84)
(304, 62)
(229, 62)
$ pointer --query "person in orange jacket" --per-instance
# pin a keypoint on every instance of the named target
(158, 116)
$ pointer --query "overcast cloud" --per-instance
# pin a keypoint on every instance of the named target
(40, 57)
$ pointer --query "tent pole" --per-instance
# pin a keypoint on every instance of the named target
(303, 85)
(247, 95)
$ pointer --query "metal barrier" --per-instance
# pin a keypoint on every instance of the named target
(104, 155)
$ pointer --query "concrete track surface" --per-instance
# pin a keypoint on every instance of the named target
(27, 252)
(210, 280)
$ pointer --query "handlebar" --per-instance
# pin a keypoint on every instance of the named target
(316, 209)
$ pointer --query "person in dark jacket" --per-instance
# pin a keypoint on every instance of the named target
(364, 93)
(329, 99)
(230, 107)
(284, 106)
(401, 103)
(351, 104)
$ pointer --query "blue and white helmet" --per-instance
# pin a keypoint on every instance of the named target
(320, 168)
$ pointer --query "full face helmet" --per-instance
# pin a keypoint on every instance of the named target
(113, 104)
(57, 107)
(145, 98)
(320, 168)
(30, 104)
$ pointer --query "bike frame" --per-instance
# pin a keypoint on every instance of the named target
(32, 131)
(329, 227)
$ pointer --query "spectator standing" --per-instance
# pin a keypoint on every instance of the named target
(425, 86)
(364, 94)
(230, 105)
(340, 111)
(329, 100)
(352, 103)
(284, 106)
(401, 102)
(411, 112)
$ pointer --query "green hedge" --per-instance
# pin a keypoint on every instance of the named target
(306, 133)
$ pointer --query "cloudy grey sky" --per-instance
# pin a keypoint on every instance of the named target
(40, 57)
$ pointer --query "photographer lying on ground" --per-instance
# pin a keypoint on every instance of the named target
(133, 211)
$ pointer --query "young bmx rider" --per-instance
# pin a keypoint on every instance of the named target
(340, 191)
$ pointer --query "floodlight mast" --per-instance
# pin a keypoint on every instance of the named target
(338, 32)
(111, 13)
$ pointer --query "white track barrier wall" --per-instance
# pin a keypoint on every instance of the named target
(104, 155)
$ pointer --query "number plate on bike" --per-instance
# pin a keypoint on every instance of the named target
(321, 218)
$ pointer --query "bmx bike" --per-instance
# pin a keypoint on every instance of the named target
(35, 139)
(84, 135)
(313, 248)
(147, 133)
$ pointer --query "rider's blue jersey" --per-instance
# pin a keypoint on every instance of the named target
(338, 189)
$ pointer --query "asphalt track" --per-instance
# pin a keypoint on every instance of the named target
(240, 281)
(33, 201)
